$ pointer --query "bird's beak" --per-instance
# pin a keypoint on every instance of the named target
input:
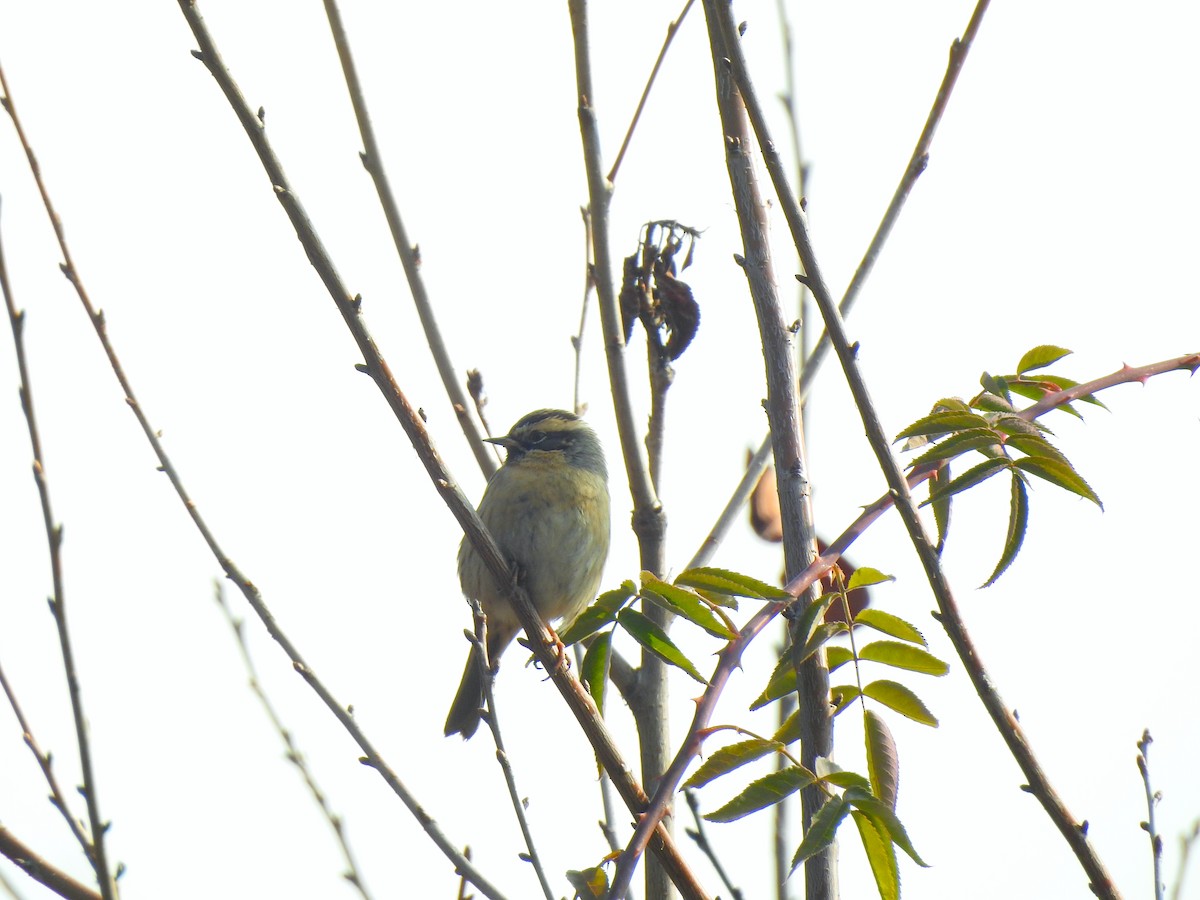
(505, 441)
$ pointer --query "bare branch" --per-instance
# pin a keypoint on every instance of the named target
(41, 871)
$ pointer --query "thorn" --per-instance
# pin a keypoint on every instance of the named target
(1083, 827)
(357, 302)
(1026, 788)
(740, 260)
(198, 55)
(362, 157)
(362, 367)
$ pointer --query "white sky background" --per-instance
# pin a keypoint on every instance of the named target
(1059, 207)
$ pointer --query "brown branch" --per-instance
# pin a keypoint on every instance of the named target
(41, 871)
(672, 28)
(1099, 880)
(414, 427)
(372, 161)
(730, 657)
(291, 751)
(95, 848)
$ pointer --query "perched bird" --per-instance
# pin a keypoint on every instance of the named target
(547, 508)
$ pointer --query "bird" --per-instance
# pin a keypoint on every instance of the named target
(548, 509)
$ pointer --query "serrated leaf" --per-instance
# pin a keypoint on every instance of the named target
(731, 757)
(1014, 424)
(602, 612)
(821, 830)
(654, 639)
(902, 700)
(943, 423)
(881, 854)
(1018, 518)
(836, 657)
(821, 634)
(764, 792)
(686, 604)
(843, 779)
(1035, 445)
(951, 404)
(789, 731)
(594, 671)
(991, 403)
(884, 818)
(723, 581)
(842, 696)
(890, 625)
(722, 600)
(957, 444)
(970, 478)
(903, 656)
(1064, 383)
(865, 576)
(883, 764)
(1040, 357)
(940, 503)
(804, 623)
(1058, 473)
(781, 682)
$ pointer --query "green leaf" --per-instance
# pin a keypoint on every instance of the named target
(1058, 473)
(1018, 518)
(970, 478)
(731, 757)
(957, 444)
(766, 791)
(821, 830)
(594, 671)
(1064, 383)
(989, 402)
(601, 613)
(1040, 357)
(883, 764)
(842, 696)
(781, 682)
(1014, 424)
(588, 882)
(836, 657)
(943, 423)
(804, 624)
(1035, 445)
(685, 603)
(890, 625)
(903, 656)
(821, 634)
(723, 581)
(843, 779)
(789, 731)
(654, 639)
(881, 854)
(902, 700)
(865, 576)
(884, 819)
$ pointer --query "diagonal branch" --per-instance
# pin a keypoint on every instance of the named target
(95, 848)
(41, 871)
(414, 427)
(1100, 881)
(372, 160)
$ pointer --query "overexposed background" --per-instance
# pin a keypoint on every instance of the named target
(1058, 207)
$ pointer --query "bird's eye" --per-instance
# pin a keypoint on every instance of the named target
(536, 437)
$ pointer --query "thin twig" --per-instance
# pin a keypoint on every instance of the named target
(812, 362)
(1152, 798)
(45, 761)
(249, 591)
(1100, 881)
(700, 836)
(480, 657)
(589, 284)
(1186, 843)
(41, 871)
(292, 752)
(372, 161)
(95, 848)
(414, 427)
(57, 797)
(671, 30)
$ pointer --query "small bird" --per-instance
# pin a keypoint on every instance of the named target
(547, 508)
